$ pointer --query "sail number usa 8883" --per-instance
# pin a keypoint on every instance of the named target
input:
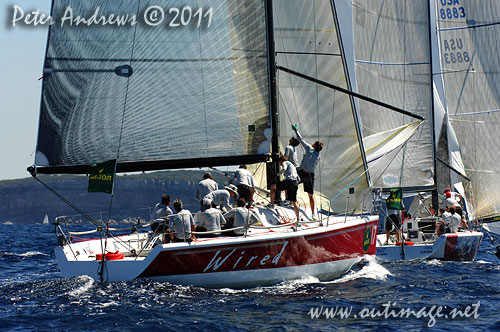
(178, 17)
(454, 51)
(451, 9)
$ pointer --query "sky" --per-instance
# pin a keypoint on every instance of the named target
(22, 53)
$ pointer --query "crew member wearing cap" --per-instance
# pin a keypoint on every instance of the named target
(456, 196)
(221, 197)
(450, 200)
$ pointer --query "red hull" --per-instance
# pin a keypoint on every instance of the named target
(289, 251)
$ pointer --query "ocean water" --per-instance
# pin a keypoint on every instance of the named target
(34, 297)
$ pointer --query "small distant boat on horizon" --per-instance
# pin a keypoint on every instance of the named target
(45, 220)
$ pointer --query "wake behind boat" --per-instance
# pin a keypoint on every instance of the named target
(268, 254)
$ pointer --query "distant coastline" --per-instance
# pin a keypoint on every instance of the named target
(25, 201)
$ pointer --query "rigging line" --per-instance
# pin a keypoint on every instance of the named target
(375, 33)
(452, 168)
(308, 53)
(354, 94)
(326, 148)
(475, 84)
(204, 95)
(404, 97)
(389, 163)
(317, 95)
(466, 78)
(401, 174)
(470, 26)
(96, 212)
(391, 63)
(126, 91)
(103, 265)
(289, 117)
(73, 206)
(473, 113)
(284, 106)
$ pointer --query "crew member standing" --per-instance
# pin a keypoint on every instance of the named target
(308, 165)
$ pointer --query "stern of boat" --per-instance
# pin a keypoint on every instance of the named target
(461, 246)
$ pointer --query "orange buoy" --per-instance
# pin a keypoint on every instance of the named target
(110, 256)
(407, 243)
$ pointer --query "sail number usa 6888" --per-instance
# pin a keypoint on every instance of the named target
(178, 17)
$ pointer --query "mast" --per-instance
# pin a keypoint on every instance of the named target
(435, 201)
(273, 99)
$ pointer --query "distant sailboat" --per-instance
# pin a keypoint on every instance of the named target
(469, 43)
(45, 220)
(393, 60)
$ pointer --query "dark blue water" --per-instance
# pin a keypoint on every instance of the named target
(34, 297)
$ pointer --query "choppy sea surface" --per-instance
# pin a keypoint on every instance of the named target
(34, 297)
